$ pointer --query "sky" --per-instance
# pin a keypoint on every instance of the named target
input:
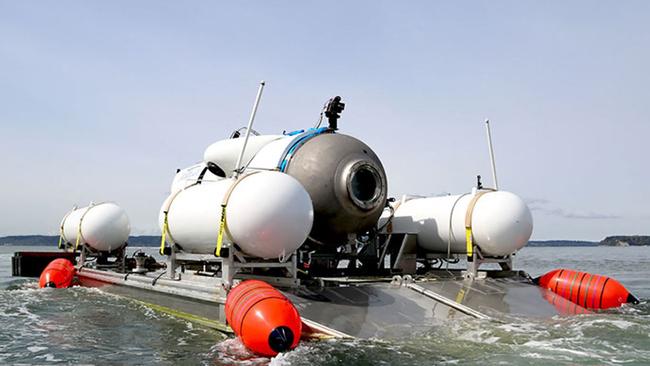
(103, 100)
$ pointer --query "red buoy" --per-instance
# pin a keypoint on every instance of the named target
(58, 274)
(587, 290)
(264, 319)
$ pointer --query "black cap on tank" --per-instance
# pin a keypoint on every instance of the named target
(281, 339)
(50, 284)
(631, 299)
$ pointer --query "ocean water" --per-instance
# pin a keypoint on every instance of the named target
(88, 326)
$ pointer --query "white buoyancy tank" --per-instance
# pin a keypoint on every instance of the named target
(268, 215)
(192, 174)
(102, 226)
(271, 154)
(501, 222)
(224, 153)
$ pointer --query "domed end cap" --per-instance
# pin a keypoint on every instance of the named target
(105, 227)
(269, 215)
(281, 339)
(501, 223)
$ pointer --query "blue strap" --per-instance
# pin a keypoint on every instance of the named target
(293, 133)
(295, 145)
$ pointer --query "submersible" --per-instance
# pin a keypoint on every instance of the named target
(288, 236)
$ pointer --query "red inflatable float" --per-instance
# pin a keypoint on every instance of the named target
(264, 319)
(587, 290)
(59, 274)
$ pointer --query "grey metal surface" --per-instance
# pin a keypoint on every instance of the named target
(200, 296)
(355, 308)
(179, 305)
(370, 310)
(495, 297)
(447, 301)
(384, 310)
(346, 182)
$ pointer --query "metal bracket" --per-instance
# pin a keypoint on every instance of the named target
(478, 259)
(232, 265)
(172, 264)
(86, 252)
(406, 258)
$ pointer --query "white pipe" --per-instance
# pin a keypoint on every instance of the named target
(248, 129)
(494, 168)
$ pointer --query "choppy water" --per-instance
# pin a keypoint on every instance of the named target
(88, 326)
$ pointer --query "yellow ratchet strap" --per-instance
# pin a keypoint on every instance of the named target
(76, 244)
(469, 240)
(222, 228)
(81, 220)
(164, 234)
(470, 245)
(61, 238)
(64, 244)
(222, 222)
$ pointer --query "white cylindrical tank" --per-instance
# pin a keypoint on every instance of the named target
(102, 226)
(268, 215)
(224, 153)
(501, 222)
(270, 155)
(190, 175)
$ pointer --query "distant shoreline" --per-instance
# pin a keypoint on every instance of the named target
(562, 243)
(610, 241)
(154, 241)
(47, 240)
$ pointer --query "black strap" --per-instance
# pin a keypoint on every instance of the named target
(200, 178)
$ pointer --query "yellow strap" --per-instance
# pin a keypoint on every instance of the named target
(468, 222)
(81, 220)
(460, 296)
(222, 227)
(63, 241)
(61, 238)
(164, 235)
(76, 244)
(222, 223)
(470, 245)
(165, 228)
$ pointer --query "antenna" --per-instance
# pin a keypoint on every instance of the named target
(248, 129)
(494, 168)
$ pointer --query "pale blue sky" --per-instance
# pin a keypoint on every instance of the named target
(104, 100)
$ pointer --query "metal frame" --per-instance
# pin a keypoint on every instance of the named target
(118, 254)
(231, 267)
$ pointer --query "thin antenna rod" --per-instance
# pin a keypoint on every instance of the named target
(248, 129)
(494, 168)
